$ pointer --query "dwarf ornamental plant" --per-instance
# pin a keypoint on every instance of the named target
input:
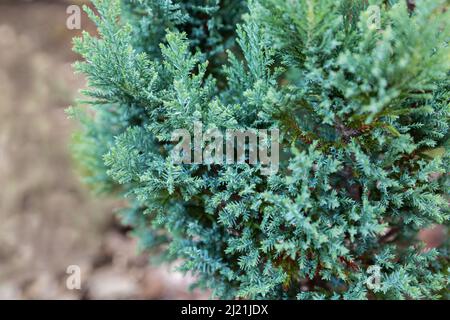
(361, 103)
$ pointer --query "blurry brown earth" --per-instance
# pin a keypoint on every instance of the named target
(48, 220)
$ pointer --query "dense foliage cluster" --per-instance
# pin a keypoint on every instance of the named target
(363, 112)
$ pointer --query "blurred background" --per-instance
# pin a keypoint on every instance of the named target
(48, 219)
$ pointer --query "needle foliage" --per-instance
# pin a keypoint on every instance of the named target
(363, 113)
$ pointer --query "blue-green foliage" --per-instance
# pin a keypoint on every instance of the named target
(364, 120)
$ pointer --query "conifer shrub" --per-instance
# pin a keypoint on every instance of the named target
(362, 107)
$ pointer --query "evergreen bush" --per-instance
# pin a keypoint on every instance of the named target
(363, 114)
